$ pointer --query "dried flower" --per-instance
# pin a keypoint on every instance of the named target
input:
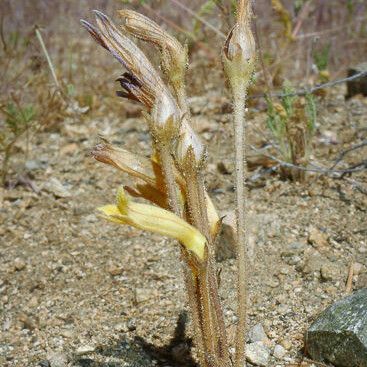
(174, 55)
(154, 219)
(132, 164)
(142, 82)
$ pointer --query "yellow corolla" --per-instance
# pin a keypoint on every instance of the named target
(155, 219)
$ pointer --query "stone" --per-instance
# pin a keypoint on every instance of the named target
(313, 263)
(362, 281)
(33, 165)
(257, 334)
(357, 268)
(19, 264)
(55, 187)
(44, 363)
(279, 351)
(226, 245)
(67, 333)
(85, 349)
(339, 334)
(286, 344)
(131, 324)
(115, 270)
(318, 239)
(33, 302)
(142, 295)
(329, 271)
(57, 359)
(258, 354)
(357, 86)
(292, 255)
(224, 167)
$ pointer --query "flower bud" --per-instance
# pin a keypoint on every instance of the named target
(239, 51)
(165, 118)
(240, 43)
(190, 151)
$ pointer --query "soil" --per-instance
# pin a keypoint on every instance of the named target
(78, 291)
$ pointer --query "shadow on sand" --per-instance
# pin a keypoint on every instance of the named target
(140, 353)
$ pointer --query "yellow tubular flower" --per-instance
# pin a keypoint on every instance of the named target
(154, 219)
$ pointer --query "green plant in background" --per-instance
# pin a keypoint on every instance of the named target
(298, 5)
(321, 60)
(206, 9)
(18, 120)
(292, 124)
(284, 18)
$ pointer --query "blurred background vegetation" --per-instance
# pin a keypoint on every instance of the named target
(303, 41)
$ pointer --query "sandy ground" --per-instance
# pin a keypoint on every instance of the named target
(77, 291)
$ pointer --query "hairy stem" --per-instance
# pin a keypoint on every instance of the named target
(214, 326)
(203, 295)
(167, 167)
(221, 342)
(191, 283)
(180, 92)
(239, 96)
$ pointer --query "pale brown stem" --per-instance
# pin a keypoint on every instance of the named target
(214, 326)
(167, 167)
(203, 299)
(349, 284)
(190, 283)
(243, 9)
(239, 96)
(221, 342)
(48, 58)
(221, 334)
(180, 92)
(207, 316)
(192, 292)
(193, 203)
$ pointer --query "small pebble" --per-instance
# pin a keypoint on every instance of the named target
(19, 264)
(318, 239)
(279, 351)
(55, 187)
(357, 268)
(257, 334)
(329, 271)
(85, 349)
(258, 354)
(57, 359)
(286, 344)
(131, 325)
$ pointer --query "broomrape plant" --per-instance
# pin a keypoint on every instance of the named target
(172, 179)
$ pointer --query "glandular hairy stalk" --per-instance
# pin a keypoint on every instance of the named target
(190, 157)
(238, 57)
